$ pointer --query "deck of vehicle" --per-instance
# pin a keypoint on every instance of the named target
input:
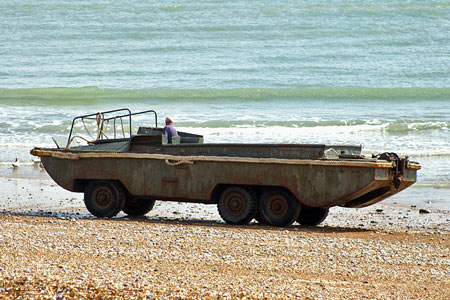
(276, 184)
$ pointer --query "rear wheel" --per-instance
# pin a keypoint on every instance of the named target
(237, 205)
(104, 198)
(277, 207)
(312, 216)
(138, 206)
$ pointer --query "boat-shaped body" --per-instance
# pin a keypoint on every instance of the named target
(275, 183)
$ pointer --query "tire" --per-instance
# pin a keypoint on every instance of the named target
(277, 207)
(104, 198)
(237, 205)
(138, 206)
(257, 216)
(312, 216)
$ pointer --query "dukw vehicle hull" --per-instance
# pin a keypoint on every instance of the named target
(276, 184)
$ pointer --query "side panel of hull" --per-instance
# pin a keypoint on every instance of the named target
(313, 185)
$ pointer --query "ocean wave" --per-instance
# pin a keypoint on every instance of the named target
(268, 123)
(398, 126)
(376, 127)
(88, 95)
(414, 126)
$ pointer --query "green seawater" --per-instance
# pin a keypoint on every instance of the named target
(224, 44)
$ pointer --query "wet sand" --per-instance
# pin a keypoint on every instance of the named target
(52, 248)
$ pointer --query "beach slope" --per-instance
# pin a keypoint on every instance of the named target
(84, 258)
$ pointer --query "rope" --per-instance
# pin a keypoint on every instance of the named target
(71, 140)
(99, 118)
(114, 127)
(128, 155)
(85, 127)
(123, 130)
(180, 162)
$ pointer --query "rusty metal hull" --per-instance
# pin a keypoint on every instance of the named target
(314, 182)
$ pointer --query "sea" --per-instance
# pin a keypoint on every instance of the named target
(371, 73)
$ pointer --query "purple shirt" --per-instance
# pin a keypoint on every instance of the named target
(170, 131)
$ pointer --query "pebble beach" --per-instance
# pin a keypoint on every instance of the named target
(53, 249)
(54, 258)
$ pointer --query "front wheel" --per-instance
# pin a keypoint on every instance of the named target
(277, 207)
(237, 205)
(138, 206)
(312, 216)
(104, 198)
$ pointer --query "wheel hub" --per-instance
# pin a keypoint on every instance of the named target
(103, 197)
(235, 204)
(278, 206)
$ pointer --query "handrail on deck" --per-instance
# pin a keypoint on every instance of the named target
(99, 116)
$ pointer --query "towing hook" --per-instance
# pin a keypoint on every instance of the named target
(397, 182)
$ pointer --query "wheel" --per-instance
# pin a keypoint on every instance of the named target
(138, 206)
(312, 216)
(104, 198)
(237, 205)
(257, 216)
(278, 207)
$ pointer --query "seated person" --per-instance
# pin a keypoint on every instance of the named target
(169, 130)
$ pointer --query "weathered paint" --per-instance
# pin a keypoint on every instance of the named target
(314, 182)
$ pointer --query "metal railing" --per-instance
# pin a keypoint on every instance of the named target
(102, 117)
